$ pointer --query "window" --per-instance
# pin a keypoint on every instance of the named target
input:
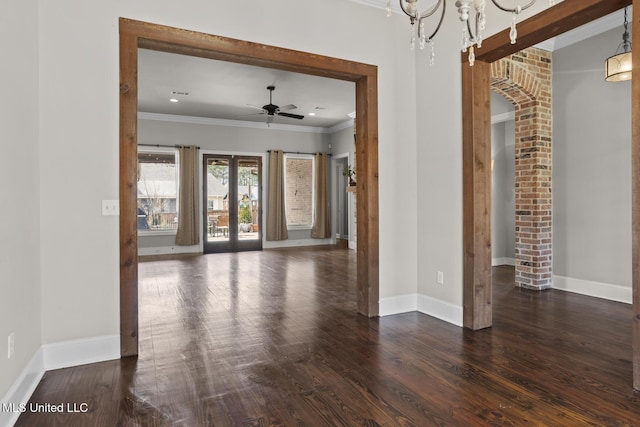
(157, 191)
(299, 190)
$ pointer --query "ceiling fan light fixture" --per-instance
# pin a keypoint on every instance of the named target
(272, 110)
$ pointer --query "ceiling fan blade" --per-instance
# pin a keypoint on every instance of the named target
(293, 116)
(254, 106)
(288, 107)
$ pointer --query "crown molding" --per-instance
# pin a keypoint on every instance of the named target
(395, 5)
(340, 126)
(504, 117)
(548, 45)
(379, 4)
(593, 28)
(240, 123)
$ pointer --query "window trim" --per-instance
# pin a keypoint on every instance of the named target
(176, 154)
(313, 189)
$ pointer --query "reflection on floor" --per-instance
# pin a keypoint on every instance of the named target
(224, 237)
(272, 338)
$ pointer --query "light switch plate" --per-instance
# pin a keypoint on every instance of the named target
(110, 207)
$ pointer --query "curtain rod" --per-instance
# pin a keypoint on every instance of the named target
(298, 152)
(164, 146)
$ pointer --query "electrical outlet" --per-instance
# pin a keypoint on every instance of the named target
(10, 344)
(440, 278)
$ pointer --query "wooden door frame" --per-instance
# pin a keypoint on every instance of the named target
(137, 34)
(476, 119)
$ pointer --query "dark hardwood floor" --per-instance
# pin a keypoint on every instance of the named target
(272, 338)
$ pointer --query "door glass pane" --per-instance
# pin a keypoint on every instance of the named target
(217, 200)
(248, 200)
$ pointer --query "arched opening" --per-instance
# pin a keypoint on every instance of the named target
(526, 82)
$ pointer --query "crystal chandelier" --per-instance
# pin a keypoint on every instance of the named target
(472, 34)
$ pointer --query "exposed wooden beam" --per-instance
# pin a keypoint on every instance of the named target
(635, 191)
(185, 42)
(367, 186)
(476, 143)
(128, 195)
(549, 23)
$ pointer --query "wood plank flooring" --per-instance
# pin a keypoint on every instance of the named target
(272, 338)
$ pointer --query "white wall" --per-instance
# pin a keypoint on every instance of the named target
(439, 163)
(342, 142)
(591, 172)
(420, 175)
(213, 137)
(19, 189)
(216, 138)
(79, 134)
(503, 182)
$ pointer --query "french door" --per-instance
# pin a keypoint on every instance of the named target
(232, 188)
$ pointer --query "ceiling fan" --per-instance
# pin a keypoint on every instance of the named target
(272, 110)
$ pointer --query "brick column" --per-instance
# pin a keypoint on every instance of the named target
(525, 80)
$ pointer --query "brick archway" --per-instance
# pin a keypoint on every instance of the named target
(524, 79)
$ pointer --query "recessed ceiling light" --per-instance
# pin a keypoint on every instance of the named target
(174, 100)
(312, 114)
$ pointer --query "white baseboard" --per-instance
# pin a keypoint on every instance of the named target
(166, 250)
(296, 242)
(397, 305)
(55, 356)
(21, 390)
(440, 309)
(503, 261)
(81, 352)
(415, 302)
(594, 289)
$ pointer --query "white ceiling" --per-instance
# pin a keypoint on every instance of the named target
(225, 90)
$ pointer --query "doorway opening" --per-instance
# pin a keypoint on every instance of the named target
(477, 292)
(135, 35)
(343, 201)
(232, 203)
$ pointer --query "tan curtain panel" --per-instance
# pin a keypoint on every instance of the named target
(276, 212)
(188, 231)
(321, 228)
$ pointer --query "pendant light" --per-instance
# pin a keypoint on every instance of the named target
(618, 67)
